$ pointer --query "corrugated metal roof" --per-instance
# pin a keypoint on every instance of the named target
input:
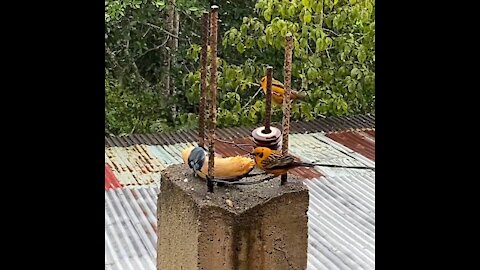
(318, 148)
(341, 224)
(130, 227)
(141, 164)
(341, 210)
(134, 165)
(329, 124)
(110, 179)
(358, 141)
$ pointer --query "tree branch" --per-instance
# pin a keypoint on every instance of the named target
(330, 31)
(154, 48)
(163, 30)
(135, 67)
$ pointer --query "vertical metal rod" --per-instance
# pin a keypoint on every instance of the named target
(213, 94)
(203, 79)
(286, 97)
(268, 107)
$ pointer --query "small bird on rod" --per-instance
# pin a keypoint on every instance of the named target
(273, 162)
(278, 91)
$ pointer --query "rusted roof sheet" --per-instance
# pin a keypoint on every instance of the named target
(138, 159)
(370, 132)
(141, 164)
(329, 124)
(360, 142)
(341, 224)
(134, 165)
(341, 210)
(226, 149)
(318, 148)
(110, 179)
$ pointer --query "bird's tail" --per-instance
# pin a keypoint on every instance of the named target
(306, 164)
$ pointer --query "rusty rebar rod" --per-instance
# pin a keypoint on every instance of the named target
(286, 97)
(268, 105)
(203, 79)
(213, 94)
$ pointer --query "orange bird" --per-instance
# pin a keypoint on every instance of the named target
(278, 91)
(275, 163)
(226, 168)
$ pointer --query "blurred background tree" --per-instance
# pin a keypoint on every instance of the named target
(152, 49)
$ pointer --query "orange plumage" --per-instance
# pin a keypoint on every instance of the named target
(226, 168)
(278, 91)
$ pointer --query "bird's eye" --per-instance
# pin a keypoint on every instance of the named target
(260, 155)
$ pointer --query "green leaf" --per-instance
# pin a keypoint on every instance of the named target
(303, 43)
(243, 29)
(307, 17)
(233, 34)
(284, 31)
(320, 45)
(291, 10)
(249, 43)
(362, 56)
(319, 7)
(307, 110)
(351, 86)
(305, 3)
(284, 11)
(336, 22)
(328, 42)
(312, 74)
(262, 42)
(267, 14)
(354, 72)
(347, 50)
(240, 48)
(319, 108)
(317, 61)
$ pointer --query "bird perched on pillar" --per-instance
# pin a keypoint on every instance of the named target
(278, 91)
(275, 163)
(226, 168)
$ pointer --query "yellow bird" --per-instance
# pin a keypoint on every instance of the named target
(275, 163)
(226, 168)
(278, 91)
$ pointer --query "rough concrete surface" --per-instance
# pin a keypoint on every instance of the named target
(261, 226)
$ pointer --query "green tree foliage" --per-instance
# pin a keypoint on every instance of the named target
(333, 61)
(135, 36)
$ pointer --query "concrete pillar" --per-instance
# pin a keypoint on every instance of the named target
(262, 226)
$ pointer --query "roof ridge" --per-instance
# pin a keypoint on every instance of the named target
(328, 125)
